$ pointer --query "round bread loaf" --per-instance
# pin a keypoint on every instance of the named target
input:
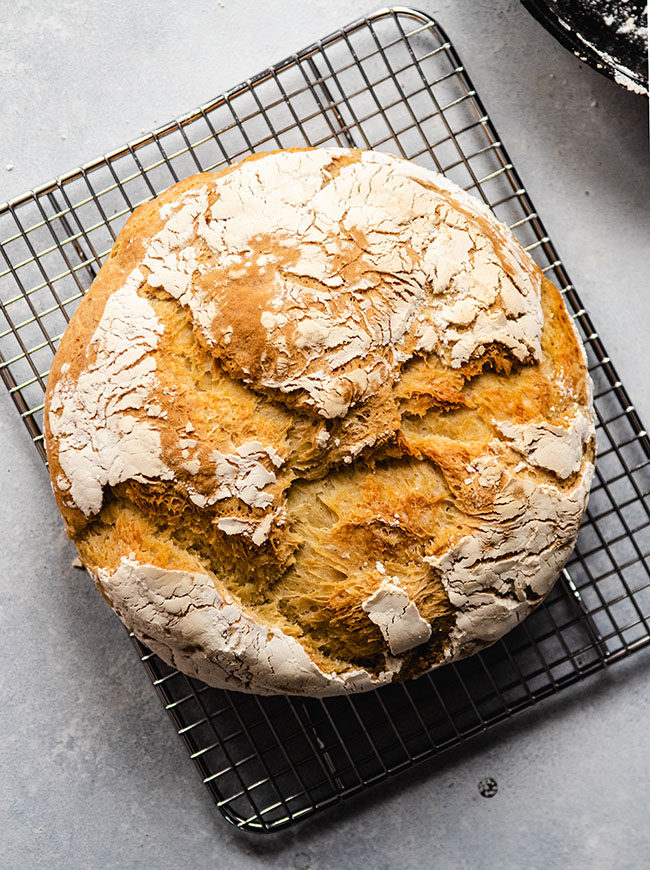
(319, 424)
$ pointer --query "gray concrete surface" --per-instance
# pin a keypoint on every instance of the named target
(92, 774)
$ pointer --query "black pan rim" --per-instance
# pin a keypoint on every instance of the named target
(568, 39)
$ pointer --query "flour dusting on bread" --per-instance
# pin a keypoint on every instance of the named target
(99, 440)
(320, 423)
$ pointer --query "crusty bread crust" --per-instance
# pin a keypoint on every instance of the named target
(320, 423)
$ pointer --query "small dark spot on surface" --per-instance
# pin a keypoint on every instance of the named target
(488, 787)
(302, 861)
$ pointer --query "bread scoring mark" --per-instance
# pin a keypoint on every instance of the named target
(183, 618)
(556, 448)
(99, 442)
(396, 616)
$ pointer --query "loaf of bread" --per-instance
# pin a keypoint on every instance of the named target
(320, 424)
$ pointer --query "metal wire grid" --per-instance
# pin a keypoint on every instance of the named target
(391, 81)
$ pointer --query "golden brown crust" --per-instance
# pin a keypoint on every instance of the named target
(201, 418)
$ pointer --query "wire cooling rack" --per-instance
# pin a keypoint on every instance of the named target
(391, 81)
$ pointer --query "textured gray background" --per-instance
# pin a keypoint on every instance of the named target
(92, 774)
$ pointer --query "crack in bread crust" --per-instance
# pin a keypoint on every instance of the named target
(327, 395)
